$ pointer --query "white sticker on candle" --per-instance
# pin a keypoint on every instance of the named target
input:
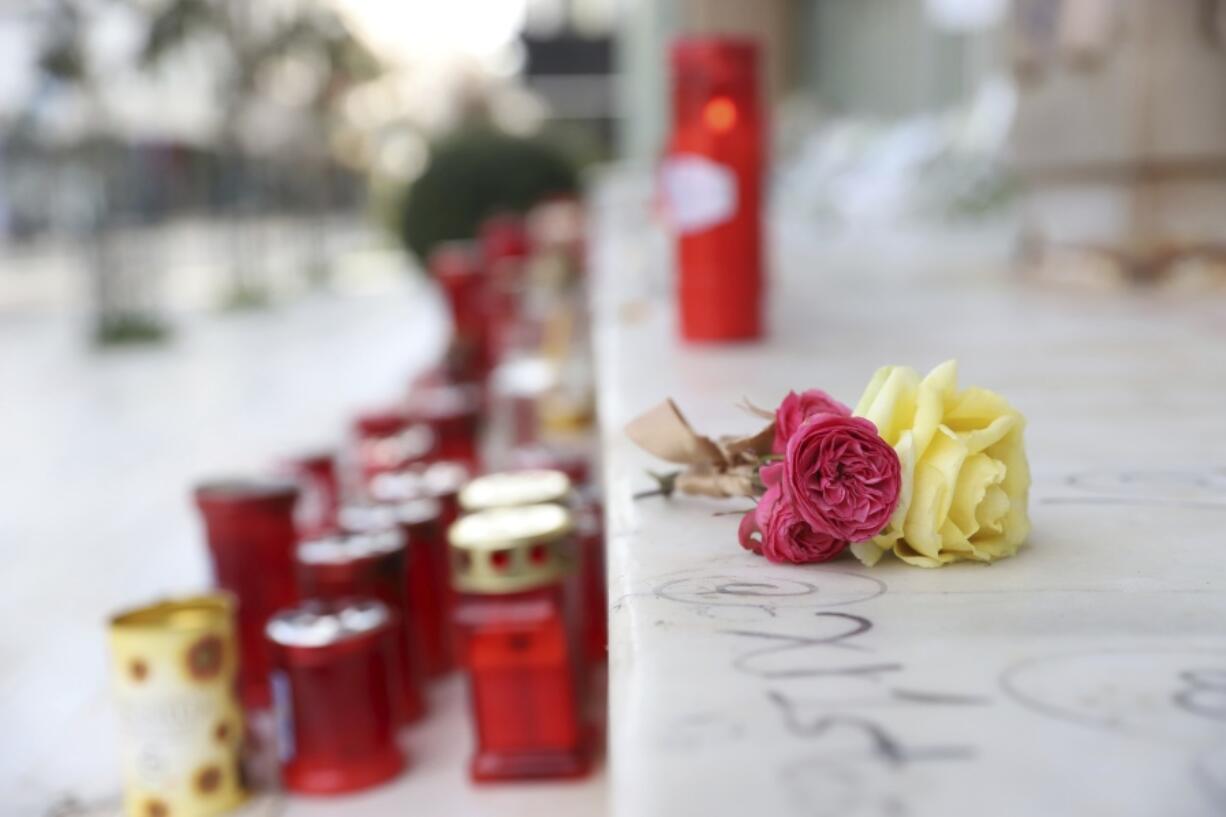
(698, 193)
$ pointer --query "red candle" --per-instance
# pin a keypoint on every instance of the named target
(712, 187)
(427, 591)
(456, 267)
(453, 412)
(529, 487)
(388, 440)
(334, 682)
(504, 248)
(503, 237)
(511, 568)
(372, 565)
(589, 528)
(249, 527)
(441, 480)
(319, 482)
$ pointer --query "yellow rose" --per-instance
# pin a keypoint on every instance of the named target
(965, 476)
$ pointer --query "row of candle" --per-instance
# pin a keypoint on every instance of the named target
(346, 592)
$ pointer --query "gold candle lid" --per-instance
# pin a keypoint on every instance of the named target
(506, 550)
(179, 615)
(514, 488)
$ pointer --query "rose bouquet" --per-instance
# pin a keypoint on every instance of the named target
(919, 468)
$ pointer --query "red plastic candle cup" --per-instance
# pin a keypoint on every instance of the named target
(387, 441)
(589, 528)
(453, 413)
(502, 237)
(511, 569)
(443, 481)
(529, 487)
(427, 591)
(456, 266)
(504, 249)
(333, 679)
(249, 527)
(712, 188)
(371, 565)
(319, 483)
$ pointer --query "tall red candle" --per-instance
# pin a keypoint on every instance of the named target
(249, 526)
(371, 565)
(428, 593)
(319, 481)
(453, 412)
(456, 266)
(712, 188)
(388, 440)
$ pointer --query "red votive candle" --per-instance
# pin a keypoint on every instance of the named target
(528, 487)
(443, 480)
(389, 440)
(334, 685)
(712, 188)
(453, 412)
(427, 590)
(456, 266)
(504, 247)
(249, 527)
(319, 483)
(372, 565)
(589, 528)
(518, 642)
(502, 237)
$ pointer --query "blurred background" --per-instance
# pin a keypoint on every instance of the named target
(160, 156)
(214, 216)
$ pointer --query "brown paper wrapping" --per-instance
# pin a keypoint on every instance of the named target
(725, 467)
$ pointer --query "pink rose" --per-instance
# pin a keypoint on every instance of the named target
(796, 408)
(839, 476)
(775, 531)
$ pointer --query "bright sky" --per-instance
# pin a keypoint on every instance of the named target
(432, 30)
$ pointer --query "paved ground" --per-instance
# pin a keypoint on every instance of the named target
(98, 452)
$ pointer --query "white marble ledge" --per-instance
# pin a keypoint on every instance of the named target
(1085, 676)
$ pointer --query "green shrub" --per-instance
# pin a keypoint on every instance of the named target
(474, 174)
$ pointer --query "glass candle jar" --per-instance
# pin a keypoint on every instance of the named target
(427, 589)
(249, 527)
(512, 572)
(349, 565)
(333, 681)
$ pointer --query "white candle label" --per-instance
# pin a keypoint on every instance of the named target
(698, 193)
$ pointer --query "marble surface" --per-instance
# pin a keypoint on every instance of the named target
(1085, 676)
